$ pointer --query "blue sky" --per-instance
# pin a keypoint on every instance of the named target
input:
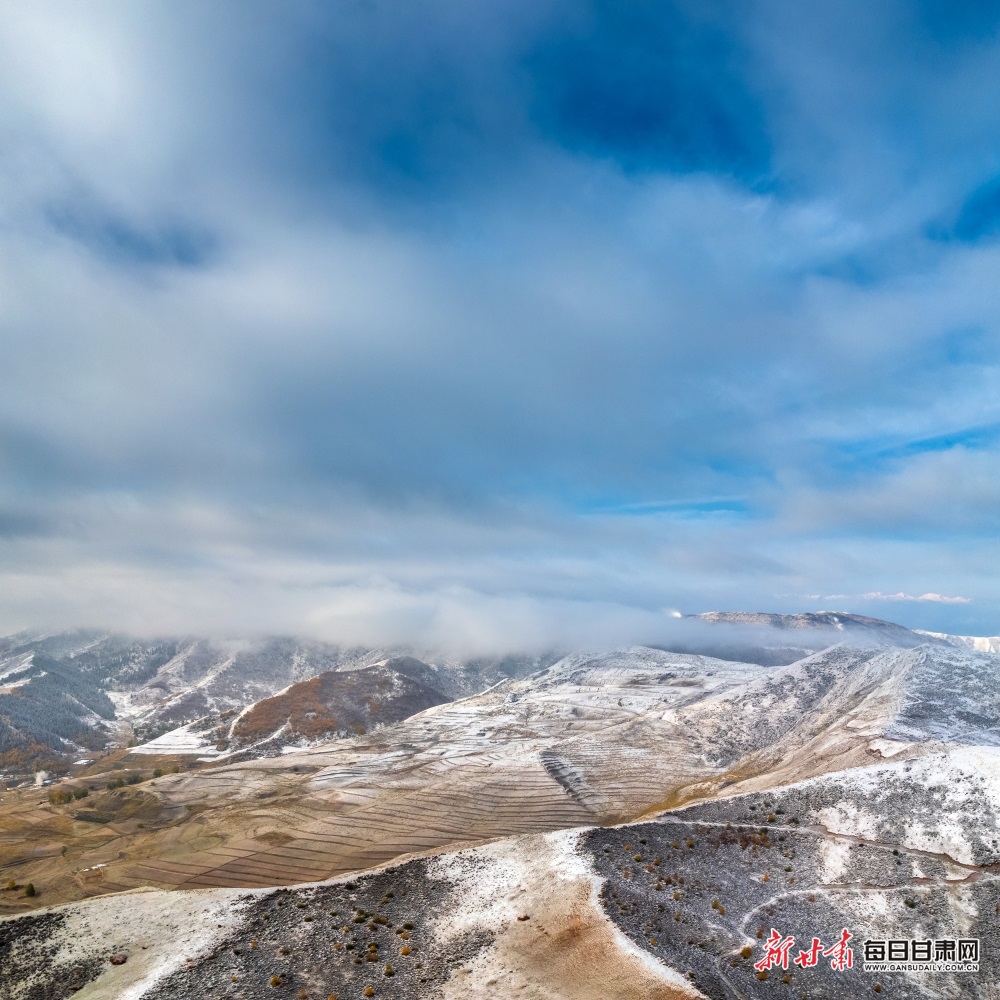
(498, 323)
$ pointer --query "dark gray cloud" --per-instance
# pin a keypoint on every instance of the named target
(535, 320)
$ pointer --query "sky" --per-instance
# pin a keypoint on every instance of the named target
(498, 324)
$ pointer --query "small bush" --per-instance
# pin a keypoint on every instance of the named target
(158, 772)
(369, 991)
(80, 793)
(275, 980)
(746, 951)
(60, 796)
(29, 889)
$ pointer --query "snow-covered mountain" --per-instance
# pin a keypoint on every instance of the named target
(979, 643)
(66, 693)
(630, 823)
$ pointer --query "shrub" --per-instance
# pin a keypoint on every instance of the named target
(80, 793)
(275, 980)
(158, 772)
(12, 885)
(369, 991)
(29, 889)
(60, 796)
(746, 951)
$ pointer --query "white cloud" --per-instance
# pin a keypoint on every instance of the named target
(934, 598)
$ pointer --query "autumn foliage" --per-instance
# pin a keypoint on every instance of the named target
(338, 703)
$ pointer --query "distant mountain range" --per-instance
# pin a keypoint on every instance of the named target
(65, 693)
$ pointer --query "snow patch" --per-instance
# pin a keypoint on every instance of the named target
(181, 740)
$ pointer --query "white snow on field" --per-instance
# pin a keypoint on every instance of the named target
(180, 740)
(965, 782)
(159, 931)
(533, 892)
(834, 856)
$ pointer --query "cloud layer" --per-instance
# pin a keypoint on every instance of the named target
(527, 323)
